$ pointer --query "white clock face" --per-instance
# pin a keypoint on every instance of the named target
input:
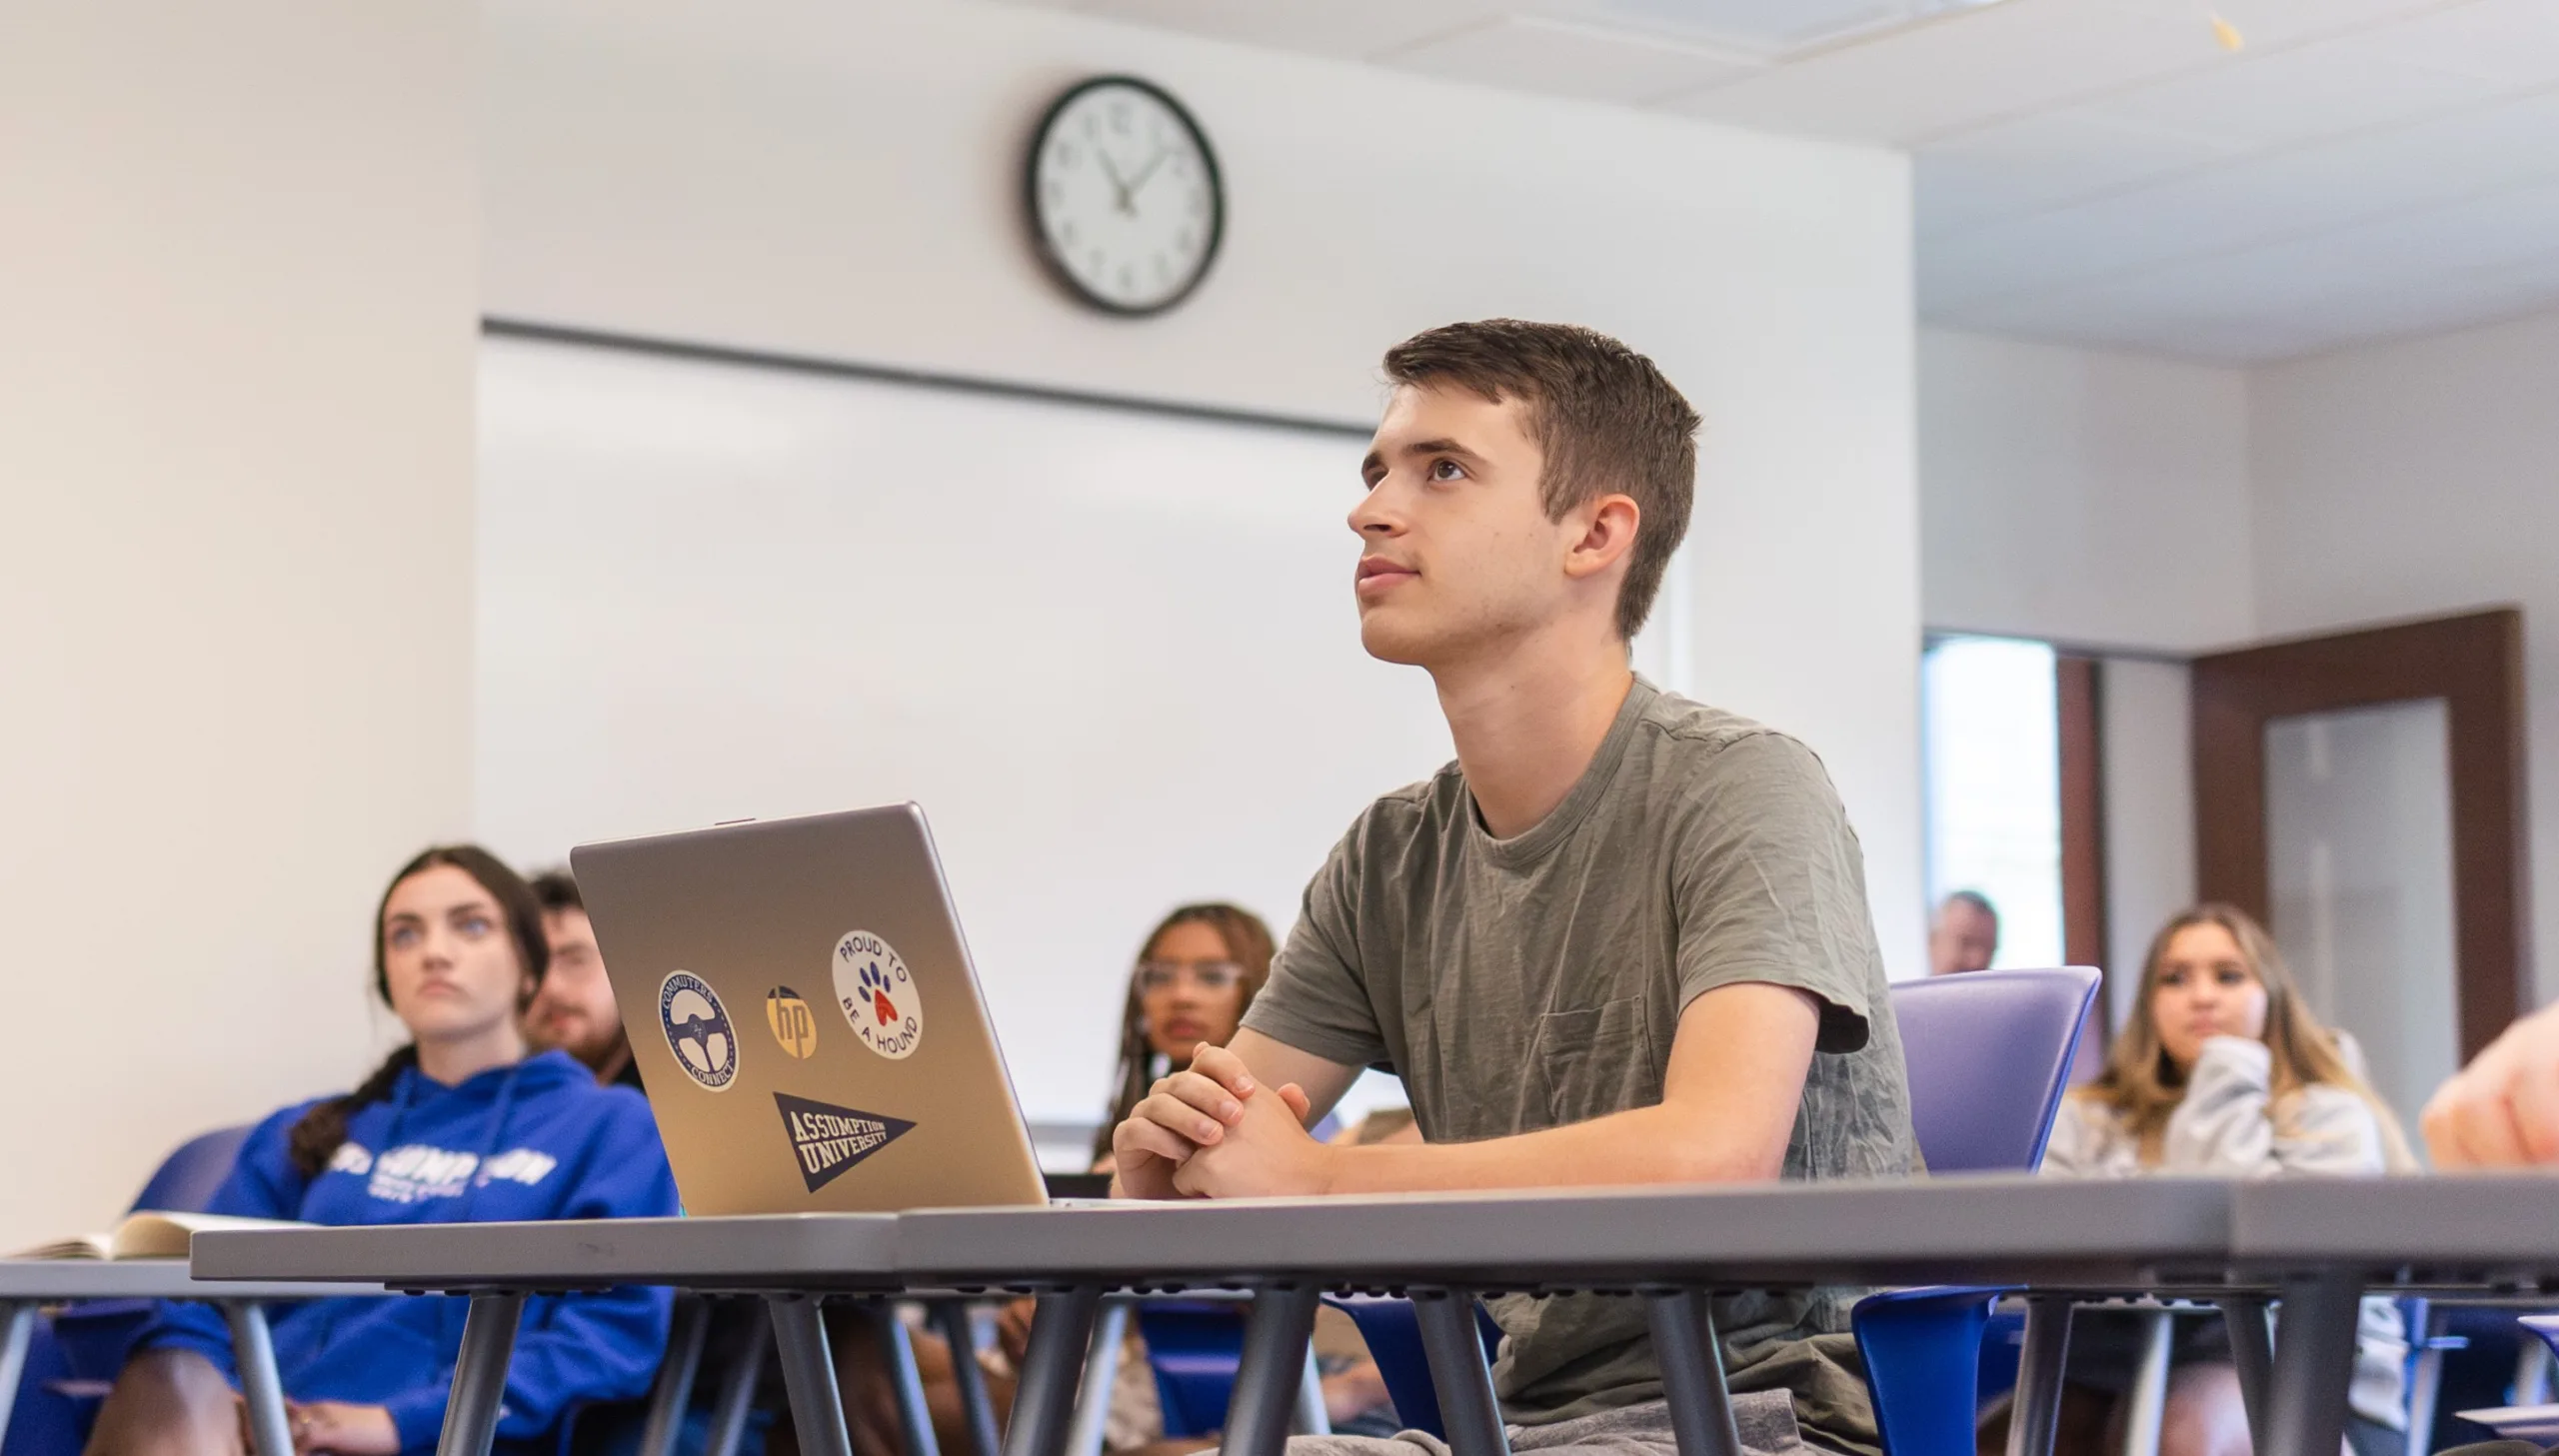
(1126, 196)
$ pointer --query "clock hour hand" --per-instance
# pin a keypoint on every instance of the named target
(1119, 185)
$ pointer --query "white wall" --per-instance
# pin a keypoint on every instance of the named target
(841, 181)
(2083, 496)
(235, 574)
(2416, 477)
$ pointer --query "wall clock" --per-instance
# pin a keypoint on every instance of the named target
(1125, 199)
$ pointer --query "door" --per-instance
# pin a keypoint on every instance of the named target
(2362, 794)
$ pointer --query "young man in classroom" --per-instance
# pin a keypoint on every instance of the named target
(1622, 939)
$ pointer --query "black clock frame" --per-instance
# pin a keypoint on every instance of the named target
(1056, 265)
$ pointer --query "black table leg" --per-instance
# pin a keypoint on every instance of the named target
(1044, 1406)
(480, 1375)
(951, 1316)
(2314, 1364)
(1691, 1360)
(1273, 1369)
(1459, 1373)
(2035, 1413)
(2253, 1350)
(898, 1349)
(674, 1390)
(809, 1373)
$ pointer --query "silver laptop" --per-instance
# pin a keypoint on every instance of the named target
(801, 1010)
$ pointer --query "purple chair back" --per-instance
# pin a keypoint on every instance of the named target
(1974, 1108)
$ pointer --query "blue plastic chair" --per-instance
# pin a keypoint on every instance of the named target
(1394, 1335)
(46, 1422)
(189, 1177)
(1195, 1347)
(1989, 1057)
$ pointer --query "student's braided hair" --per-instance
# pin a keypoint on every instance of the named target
(316, 1138)
(1248, 946)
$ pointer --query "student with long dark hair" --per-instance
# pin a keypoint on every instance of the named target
(1197, 973)
(459, 1125)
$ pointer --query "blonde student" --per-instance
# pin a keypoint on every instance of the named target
(2222, 1070)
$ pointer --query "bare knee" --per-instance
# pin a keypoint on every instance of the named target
(2205, 1414)
(168, 1403)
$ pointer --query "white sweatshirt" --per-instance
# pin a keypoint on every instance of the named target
(2229, 1125)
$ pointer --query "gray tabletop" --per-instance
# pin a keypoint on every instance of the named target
(2008, 1229)
(2494, 1230)
(54, 1279)
(787, 1251)
(2002, 1229)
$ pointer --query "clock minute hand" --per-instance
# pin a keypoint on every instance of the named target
(1146, 171)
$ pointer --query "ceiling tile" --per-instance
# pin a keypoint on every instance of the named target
(2045, 160)
(1349, 28)
(2502, 42)
(1963, 71)
(1567, 59)
(2295, 95)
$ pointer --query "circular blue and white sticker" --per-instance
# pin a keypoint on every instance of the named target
(878, 994)
(698, 1031)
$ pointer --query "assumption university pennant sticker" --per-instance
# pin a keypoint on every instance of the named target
(828, 1139)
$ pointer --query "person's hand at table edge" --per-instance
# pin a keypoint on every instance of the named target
(1212, 1102)
(2502, 1110)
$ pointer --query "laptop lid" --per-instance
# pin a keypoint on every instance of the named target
(802, 1011)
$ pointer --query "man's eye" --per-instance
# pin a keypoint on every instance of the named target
(1448, 469)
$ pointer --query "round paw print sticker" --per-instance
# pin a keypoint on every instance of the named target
(878, 995)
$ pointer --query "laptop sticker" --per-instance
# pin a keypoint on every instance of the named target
(828, 1139)
(878, 994)
(698, 1031)
(793, 1023)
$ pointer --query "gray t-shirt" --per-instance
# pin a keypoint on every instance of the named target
(1523, 983)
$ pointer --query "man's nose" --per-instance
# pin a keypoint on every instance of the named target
(1371, 516)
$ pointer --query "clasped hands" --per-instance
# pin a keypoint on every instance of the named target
(1212, 1131)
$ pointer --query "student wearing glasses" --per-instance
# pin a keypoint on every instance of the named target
(1199, 971)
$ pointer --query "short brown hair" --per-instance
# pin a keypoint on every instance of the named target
(1605, 417)
(556, 891)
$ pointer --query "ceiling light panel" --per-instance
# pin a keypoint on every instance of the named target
(1571, 60)
(1771, 29)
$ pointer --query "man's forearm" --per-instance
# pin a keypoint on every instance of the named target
(1656, 1144)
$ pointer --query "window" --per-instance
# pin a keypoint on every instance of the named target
(1991, 735)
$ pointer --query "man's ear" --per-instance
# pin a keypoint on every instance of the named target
(1608, 525)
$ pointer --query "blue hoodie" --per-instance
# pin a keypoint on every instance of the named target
(538, 1140)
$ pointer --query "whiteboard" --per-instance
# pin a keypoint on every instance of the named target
(1114, 652)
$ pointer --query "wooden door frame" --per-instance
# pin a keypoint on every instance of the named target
(2474, 661)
